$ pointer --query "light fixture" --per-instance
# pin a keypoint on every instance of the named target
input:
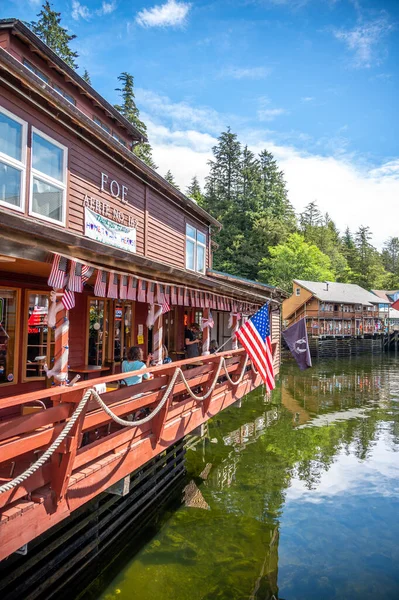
(7, 258)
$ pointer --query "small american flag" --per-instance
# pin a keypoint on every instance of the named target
(75, 283)
(113, 286)
(132, 289)
(165, 307)
(254, 335)
(58, 272)
(101, 284)
(123, 281)
(68, 299)
(87, 272)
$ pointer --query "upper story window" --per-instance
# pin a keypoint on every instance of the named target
(118, 139)
(12, 160)
(64, 94)
(195, 249)
(298, 291)
(36, 71)
(48, 178)
(102, 125)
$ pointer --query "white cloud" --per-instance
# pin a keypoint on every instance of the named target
(269, 114)
(170, 14)
(246, 72)
(365, 41)
(180, 113)
(106, 8)
(307, 99)
(80, 11)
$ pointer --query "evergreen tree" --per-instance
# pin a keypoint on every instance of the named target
(48, 28)
(86, 77)
(170, 179)
(194, 191)
(130, 111)
(370, 272)
(390, 257)
(274, 194)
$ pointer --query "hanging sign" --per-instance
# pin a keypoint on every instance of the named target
(108, 232)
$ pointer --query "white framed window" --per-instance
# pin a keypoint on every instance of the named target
(64, 94)
(195, 249)
(36, 71)
(298, 291)
(13, 138)
(101, 124)
(48, 179)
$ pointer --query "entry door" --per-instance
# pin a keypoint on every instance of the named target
(123, 329)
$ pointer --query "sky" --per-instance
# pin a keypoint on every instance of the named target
(313, 81)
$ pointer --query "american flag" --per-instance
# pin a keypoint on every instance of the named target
(75, 283)
(87, 272)
(165, 307)
(132, 289)
(113, 286)
(58, 272)
(68, 299)
(101, 284)
(254, 335)
(123, 281)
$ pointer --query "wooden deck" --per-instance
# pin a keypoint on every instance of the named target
(98, 452)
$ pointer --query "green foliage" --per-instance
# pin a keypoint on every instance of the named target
(86, 77)
(130, 111)
(48, 28)
(296, 259)
(170, 179)
(194, 191)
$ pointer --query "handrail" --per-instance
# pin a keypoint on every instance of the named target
(49, 393)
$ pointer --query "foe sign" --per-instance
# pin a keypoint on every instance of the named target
(114, 188)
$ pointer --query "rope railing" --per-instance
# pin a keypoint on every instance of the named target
(92, 393)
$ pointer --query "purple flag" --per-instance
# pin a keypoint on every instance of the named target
(296, 338)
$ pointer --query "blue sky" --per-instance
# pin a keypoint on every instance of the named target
(314, 81)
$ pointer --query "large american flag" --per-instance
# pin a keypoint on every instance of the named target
(75, 283)
(58, 272)
(254, 335)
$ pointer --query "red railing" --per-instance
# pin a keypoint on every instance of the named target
(98, 451)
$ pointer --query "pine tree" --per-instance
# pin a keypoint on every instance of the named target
(390, 256)
(48, 28)
(274, 190)
(86, 77)
(370, 272)
(130, 111)
(170, 179)
(194, 191)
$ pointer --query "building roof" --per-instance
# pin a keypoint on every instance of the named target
(21, 30)
(11, 65)
(346, 293)
(249, 283)
(385, 295)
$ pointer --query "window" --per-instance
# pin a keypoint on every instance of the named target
(12, 160)
(48, 178)
(195, 249)
(118, 139)
(39, 338)
(123, 329)
(298, 291)
(102, 125)
(8, 334)
(64, 94)
(36, 71)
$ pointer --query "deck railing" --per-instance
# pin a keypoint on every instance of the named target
(102, 436)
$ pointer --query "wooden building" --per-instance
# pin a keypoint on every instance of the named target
(333, 309)
(94, 248)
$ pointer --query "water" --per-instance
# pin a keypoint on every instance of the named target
(292, 498)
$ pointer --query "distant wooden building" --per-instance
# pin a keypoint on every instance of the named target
(389, 315)
(333, 309)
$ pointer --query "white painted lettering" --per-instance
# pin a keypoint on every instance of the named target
(114, 184)
(104, 180)
(124, 194)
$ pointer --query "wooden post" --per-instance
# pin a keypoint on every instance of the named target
(157, 340)
(59, 322)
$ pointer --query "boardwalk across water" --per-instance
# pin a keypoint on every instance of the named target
(292, 499)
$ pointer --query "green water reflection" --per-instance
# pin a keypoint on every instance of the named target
(298, 497)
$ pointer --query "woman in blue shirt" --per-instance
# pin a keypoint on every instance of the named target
(135, 362)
